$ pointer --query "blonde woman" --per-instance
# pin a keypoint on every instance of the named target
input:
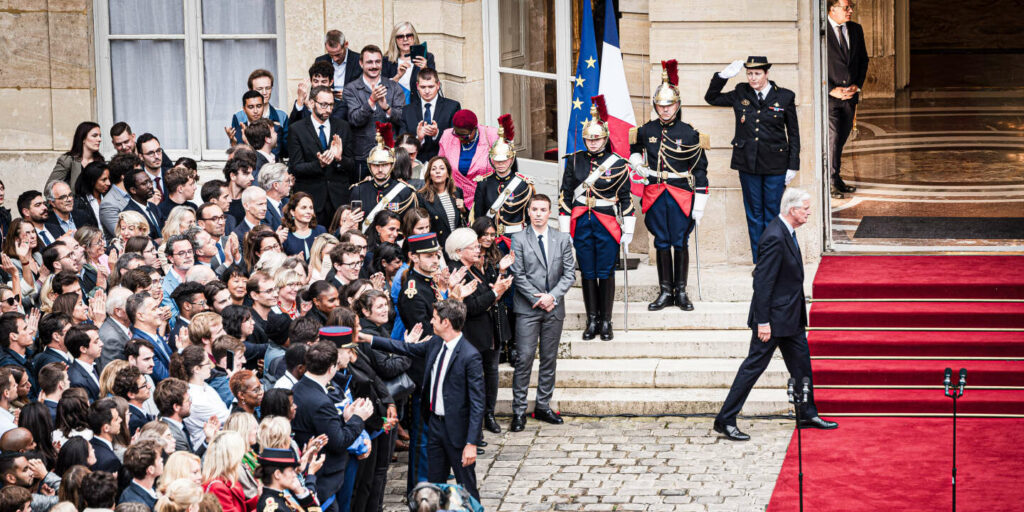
(180, 466)
(245, 424)
(399, 65)
(270, 262)
(288, 284)
(180, 496)
(109, 374)
(221, 468)
(129, 223)
(319, 262)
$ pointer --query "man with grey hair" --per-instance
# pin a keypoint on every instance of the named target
(254, 203)
(778, 316)
(276, 181)
(345, 61)
(61, 201)
(115, 331)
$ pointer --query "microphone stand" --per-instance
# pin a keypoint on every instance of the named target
(955, 392)
(797, 398)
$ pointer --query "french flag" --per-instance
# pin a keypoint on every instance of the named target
(615, 91)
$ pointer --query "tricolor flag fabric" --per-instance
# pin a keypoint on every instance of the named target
(615, 91)
(585, 85)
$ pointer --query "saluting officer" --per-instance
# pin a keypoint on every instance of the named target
(766, 147)
(282, 491)
(379, 191)
(671, 155)
(594, 183)
(504, 193)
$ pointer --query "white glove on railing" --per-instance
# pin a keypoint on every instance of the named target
(731, 70)
(628, 225)
(790, 174)
(563, 223)
(699, 202)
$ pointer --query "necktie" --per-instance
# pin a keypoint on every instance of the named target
(795, 242)
(45, 237)
(152, 218)
(188, 437)
(760, 98)
(220, 252)
(543, 254)
(437, 377)
(95, 373)
(842, 39)
(156, 183)
(427, 117)
(323, 139)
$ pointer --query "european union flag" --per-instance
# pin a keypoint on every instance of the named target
(585, 85)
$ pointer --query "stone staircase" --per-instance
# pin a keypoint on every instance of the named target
(670, 361)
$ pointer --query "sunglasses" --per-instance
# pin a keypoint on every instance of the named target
(11, 301)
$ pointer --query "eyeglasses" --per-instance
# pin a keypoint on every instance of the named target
(155, 152)
(353, 264)
(268, 290)
(64, 197)
(219, 218)
(274, 246)
(405, 36)
(198, 303)
(324, 105)
(847, 8)
(11, 301)
(182, 254)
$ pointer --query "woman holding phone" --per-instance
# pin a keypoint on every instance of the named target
(405, 57)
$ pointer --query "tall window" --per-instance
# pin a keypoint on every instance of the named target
(178, 68)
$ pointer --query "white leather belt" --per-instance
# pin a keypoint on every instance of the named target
(593, 202)
(514, 228)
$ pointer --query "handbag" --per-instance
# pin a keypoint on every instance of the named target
(400, 387)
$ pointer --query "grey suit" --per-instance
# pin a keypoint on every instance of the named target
(534, 326)
(363, 120)
(110, 208)
(114, 339)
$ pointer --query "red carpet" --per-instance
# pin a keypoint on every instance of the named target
(904, 464)
(886, 370)
(926, 277)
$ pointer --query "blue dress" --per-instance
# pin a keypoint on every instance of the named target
(295, 245)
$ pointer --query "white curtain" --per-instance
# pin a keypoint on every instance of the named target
(239, 17)
(149, 88)
(148, 17)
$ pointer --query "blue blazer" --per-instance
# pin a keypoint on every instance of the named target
(138, 419)
(106, 460)
(47, 356)
(154, 229)
(81, 379)
(317, 415)
(162, 357)
(136, 494)
(463, 386)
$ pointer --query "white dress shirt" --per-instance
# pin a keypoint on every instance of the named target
(840, 30)
(339, 72)
(89, 368)
(327, 128)
(6, 421)
(206, 403)
(445, 365)
(286, 381)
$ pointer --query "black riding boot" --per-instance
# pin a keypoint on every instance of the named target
(663, 258)
(607, 298)
(592, 303)
(682, 265)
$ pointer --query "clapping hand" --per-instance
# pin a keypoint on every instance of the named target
(211, 427)
(501, 286)
(336, 147)
(456, 278)
(414, 335)
(282, 233)
(302, 95)
(377, 281)
(506, 261)
(32, 321)
(98, 307)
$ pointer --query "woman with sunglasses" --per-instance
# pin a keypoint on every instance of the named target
(399, 65)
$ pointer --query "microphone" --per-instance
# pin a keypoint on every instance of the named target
(789, 389)
(949, 377)
(963, 380)
(807, 389)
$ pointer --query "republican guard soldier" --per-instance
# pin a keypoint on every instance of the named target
(671, 155)
(766, 146)
(504, 193)
(282, 492)
(595, 208)
(380, 191)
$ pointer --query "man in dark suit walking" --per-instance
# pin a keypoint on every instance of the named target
(778, 316)
(320, 156)
(317, 414)
(453, 394)
(428, 114)
(847, 68)
(105, 423)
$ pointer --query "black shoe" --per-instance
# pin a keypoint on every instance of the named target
(591, 303)
(663, 259)
(841, 186)
(817, 422)
(682, 266)
(837, 194)
(606, 296)
(482, 444)
(518, 423)
(480, 451)
(731, 432)
(491, 424)
(548, 416)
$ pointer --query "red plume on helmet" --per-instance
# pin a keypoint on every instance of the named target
(505, 121)
(673, 72)
(386, 133)
(602, 108)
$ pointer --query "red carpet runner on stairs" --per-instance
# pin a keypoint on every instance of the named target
(883, 329)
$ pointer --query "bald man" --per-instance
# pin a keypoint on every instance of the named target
(17, 440)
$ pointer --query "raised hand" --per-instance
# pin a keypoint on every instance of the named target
(414, 335)
(506, 261)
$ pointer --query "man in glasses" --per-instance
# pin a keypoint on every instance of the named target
(847, 69)
(61, 202)
(148, 147)
(321, 155)
(372, 100)
(320, 75)
(181, 256)
(346, 259)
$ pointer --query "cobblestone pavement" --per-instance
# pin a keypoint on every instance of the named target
(655, 464)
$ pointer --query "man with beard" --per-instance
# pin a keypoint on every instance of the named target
(140, 190)
(32, 207)
(175, 404)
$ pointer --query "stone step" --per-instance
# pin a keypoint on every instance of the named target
(706, 315)
(650, 373)
(663, 344)
(648, 401)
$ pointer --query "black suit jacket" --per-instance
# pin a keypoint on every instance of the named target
(154, 229)
(52, 225)
(389, 69)
(106, 460)
(47, 356)
(479, 328)
(778, 283)
(767, 138)
(82, 213)
(439, 217)
(847, 69)
(352, 68)
(136, 494)
(463, 386)
(331, 181)
(443, 112)
(317, 415)
(80, 379)
(138, 419)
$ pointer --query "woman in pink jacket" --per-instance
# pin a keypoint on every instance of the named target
(466, 145)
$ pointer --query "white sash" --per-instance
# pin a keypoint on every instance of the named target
(393, 193)
(511, 187)
(594, 175)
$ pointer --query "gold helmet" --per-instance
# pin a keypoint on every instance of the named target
(597, 126)
(382, 152)
(504, 148)
(667, 92)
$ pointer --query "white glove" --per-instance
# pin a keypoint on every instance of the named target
(790, 174)
(699, 202)
(636, 160)
(731, 70)
(628, 225)
(563, 223)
